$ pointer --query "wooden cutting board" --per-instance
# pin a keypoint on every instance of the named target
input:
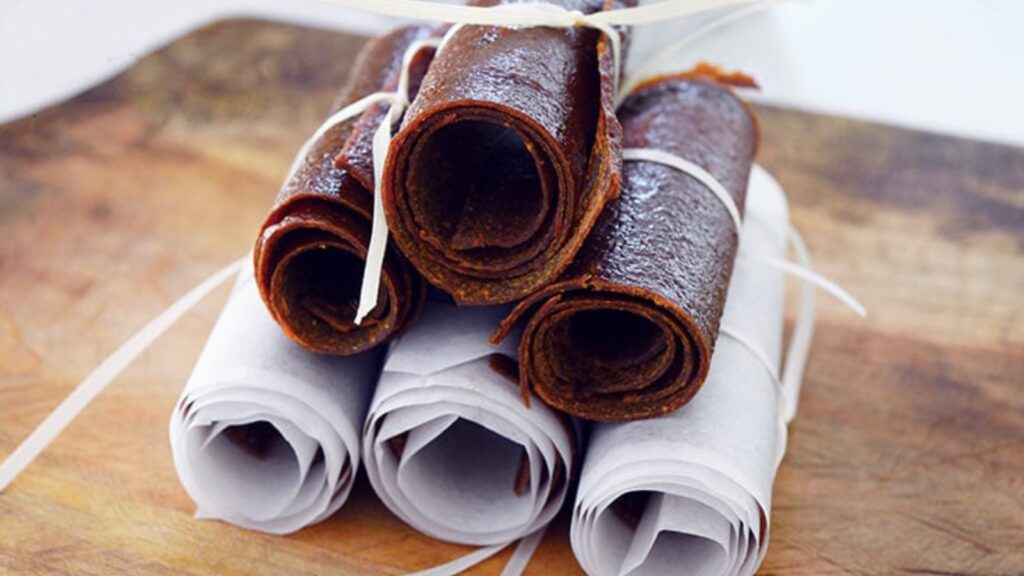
(907, 456)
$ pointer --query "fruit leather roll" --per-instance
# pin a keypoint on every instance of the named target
(506, 157)
(691, 493)
(311, 250)
(628, 331)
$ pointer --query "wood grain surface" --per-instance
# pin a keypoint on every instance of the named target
(907, 456)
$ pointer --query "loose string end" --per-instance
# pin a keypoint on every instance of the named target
(370, 289)
(823, 283)
(98, 380)
(463, 563)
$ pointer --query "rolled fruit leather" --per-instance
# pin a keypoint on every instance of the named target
(506, 157)
(311, 250)
(628, 331)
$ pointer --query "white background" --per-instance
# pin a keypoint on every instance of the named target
(953, 66)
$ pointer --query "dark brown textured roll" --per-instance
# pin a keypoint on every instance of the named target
(311, 250)
(506, 158)
(628, 331)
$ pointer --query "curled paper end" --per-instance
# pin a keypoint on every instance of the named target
(270, 442)
(440, 398)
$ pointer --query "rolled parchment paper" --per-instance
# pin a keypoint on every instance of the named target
(311, 250)
(506, 157)
(690, 493)
(266, 434)
(450, 447)
(628, 330)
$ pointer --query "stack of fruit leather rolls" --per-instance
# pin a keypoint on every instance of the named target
(690, 493)
(506, 157)
(627, 332)
(311, 250)
(266, 434)
(450, 447)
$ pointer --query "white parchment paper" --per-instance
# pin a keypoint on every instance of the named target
(707, 469)
(467, 439)
(266, 434)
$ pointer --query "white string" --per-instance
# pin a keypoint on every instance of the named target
(524, 552)
(404, 77)
(796, 357)
(462, 563)
(803, 331)
(347, 113)
(375, 252)
(527, 15)
(718, 190)
(105, 373)
(812, 277)
(515, 566)
(690, 169)
(755, 351)
(788, 386)
(668, 9)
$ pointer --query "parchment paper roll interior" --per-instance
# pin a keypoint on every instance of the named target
(690, 493)
(312, 247)
(449, 446)
(506, 157)
(266, 434)
(628, 330)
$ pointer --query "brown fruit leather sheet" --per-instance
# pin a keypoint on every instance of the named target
(506, 157)
(628, 331)
(311, 251)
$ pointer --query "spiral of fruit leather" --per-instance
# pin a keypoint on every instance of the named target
(506, 157)
(628, 331)
(311, 251)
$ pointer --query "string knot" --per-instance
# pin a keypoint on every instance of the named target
(578, 18)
